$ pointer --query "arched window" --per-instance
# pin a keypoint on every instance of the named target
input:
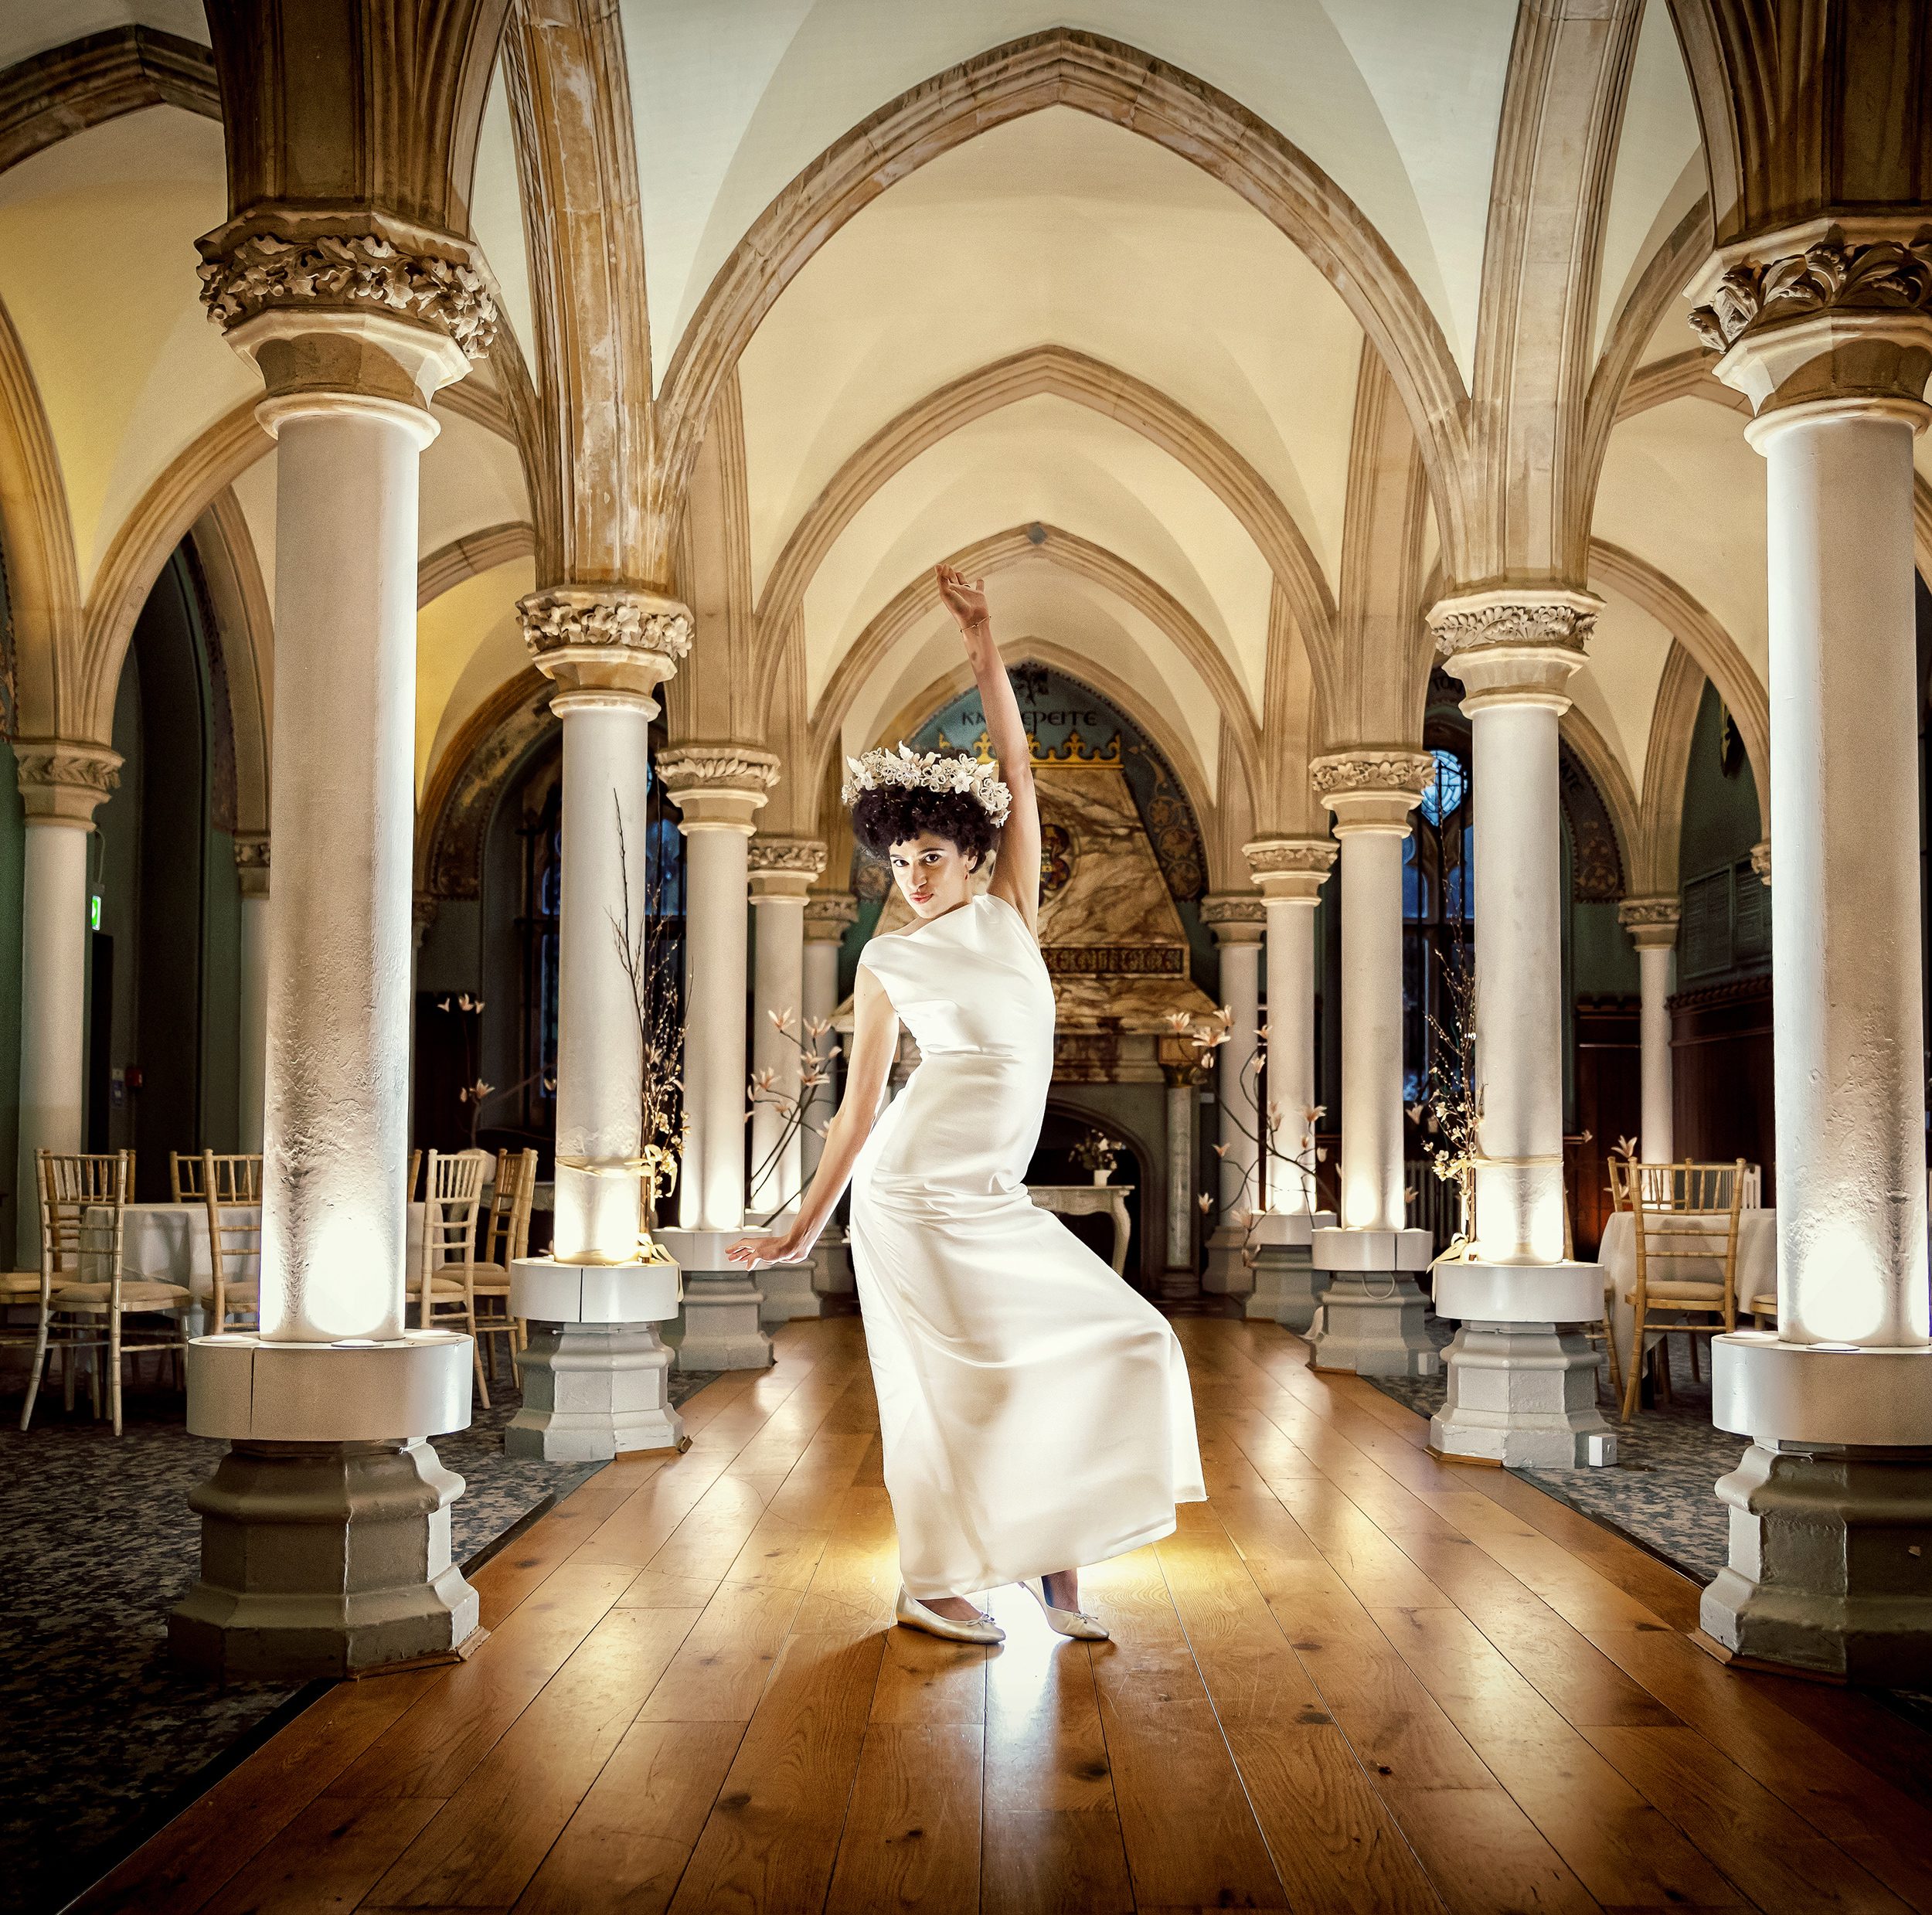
(1437, 902)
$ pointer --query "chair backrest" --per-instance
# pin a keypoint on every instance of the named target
(1698, 1224)
(231, 1189)
(82, 1204)
(416, 1169)
(183, 1176)
(512, 1201)
(453, 1197)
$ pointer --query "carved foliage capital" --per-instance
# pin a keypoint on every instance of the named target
(805, 855)
(827, 913)
(1761, 860)
(1561, 621)
(63, 782)
(717, 787)
(1754, 295)
(604, 637)
(245, 274)
(1267, 855)
(1652, 922)
(1394, 769)
(251, 863)
(1233, 918)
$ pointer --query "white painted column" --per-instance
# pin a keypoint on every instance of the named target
(1829, 1536)
(782, 869)
(718, 789)
(1237, 921)
(1369, 1315)
(61, 783)
(827, 915)
(1522, 1379)
(1180, 1279)
(335, 1390)
(1289, 872)
(251, 1006)
(594, 1373)
(1652, 925)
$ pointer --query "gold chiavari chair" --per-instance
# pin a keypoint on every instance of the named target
(183, 1176)
(84, 1294)
(446, 1294)
(506, 1236)
(1676, 1242)
(416, 1170)
(231, 1189)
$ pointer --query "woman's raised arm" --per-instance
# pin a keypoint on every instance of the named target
(1016, 875)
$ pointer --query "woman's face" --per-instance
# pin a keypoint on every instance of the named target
(933, 873)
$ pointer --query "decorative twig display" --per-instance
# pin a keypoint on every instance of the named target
(658, 1004)
(795, 1109)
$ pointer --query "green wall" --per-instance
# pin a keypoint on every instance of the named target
(1720, 806)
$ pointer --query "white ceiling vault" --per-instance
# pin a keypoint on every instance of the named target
(1056, 324)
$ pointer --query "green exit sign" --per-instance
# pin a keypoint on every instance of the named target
(93, 912)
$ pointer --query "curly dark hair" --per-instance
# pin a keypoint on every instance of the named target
(883, 818)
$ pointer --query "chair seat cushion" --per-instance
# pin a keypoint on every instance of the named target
(1764, 1304)
(137, 1293)
(19, 1282)
(1707, 1296)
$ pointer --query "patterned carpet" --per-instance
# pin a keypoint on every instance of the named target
(105, 1738)
(1668, 1459)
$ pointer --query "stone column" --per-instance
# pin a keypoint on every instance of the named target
(1369, 1316)
(1652, 925)
(1522, 1378)
(251, 873)
(1237, 921)
(718, 789)
(827, 914)
(1289, 872)
(594, 1372)
(325, 1530)
(782, 869)
(1830, 1509)
(1181, 1278)
(61, 783)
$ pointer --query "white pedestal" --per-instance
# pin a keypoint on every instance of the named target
(720, 1326)
(832, 1273)
(1283, 1290)
(1225, 1274)
(1522, 1379)
(1369, 1316)
(595, 1370)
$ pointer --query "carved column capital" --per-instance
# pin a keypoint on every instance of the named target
(1289, 870)
(1373, 788)
(604, 644)
(827, 914)
(1234, 917)
(62, 780)
(1761, 860)
(1830, 315)
(717, 788)
(784, 867)
(251, 863)
(1651, 922)
(1514, 645)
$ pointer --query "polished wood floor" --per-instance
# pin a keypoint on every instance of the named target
(1355, 1679)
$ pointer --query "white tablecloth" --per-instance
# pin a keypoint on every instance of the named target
(1756, 1261)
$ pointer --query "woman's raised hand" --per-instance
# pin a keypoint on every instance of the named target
(966, 600)
(792, 1246)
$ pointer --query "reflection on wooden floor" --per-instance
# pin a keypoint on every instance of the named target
(1357, 1679)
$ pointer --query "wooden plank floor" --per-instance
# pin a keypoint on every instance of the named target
(1355, 1679)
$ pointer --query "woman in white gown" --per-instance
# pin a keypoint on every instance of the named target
(1034, 1410)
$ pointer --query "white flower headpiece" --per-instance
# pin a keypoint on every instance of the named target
(929, 771)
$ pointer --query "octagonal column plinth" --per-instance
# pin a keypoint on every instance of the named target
(1370, 1314)
(718, 789)
(1825, 330)
(593, 1372)
(325, 1533)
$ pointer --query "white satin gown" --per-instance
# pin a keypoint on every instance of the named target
(1034, 1410)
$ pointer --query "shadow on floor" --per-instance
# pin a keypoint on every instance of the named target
(104, 1738)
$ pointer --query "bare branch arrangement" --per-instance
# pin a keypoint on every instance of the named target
(1263, 1122)
(475, 1093)
(1449, 1112)
(643, 943)
(795, 1110)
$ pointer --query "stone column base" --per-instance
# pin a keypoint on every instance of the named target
(1523, 1395)
(831, 1273)
(720, 1327)
(788, 1292)
(1180, 1286)
(1830, 1563)
(1522, 1379)
(593, 1391)
(1284, 1283)
(1226, 1274)
(323, 1560)
(1369, 1315)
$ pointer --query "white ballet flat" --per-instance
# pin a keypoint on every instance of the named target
(914, 1614)
(1075, 1623)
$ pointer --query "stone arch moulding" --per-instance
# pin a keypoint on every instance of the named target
(1673, 720)
(1589, 761)
(140, 548)
(1060, 372)
(68, 88)
(1126, 88)
(238, 600)
(1001, 553)
(468, 779)
(43, 579)
(1713, 648)
(449, 564)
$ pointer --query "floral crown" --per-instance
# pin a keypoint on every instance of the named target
(928, 771)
